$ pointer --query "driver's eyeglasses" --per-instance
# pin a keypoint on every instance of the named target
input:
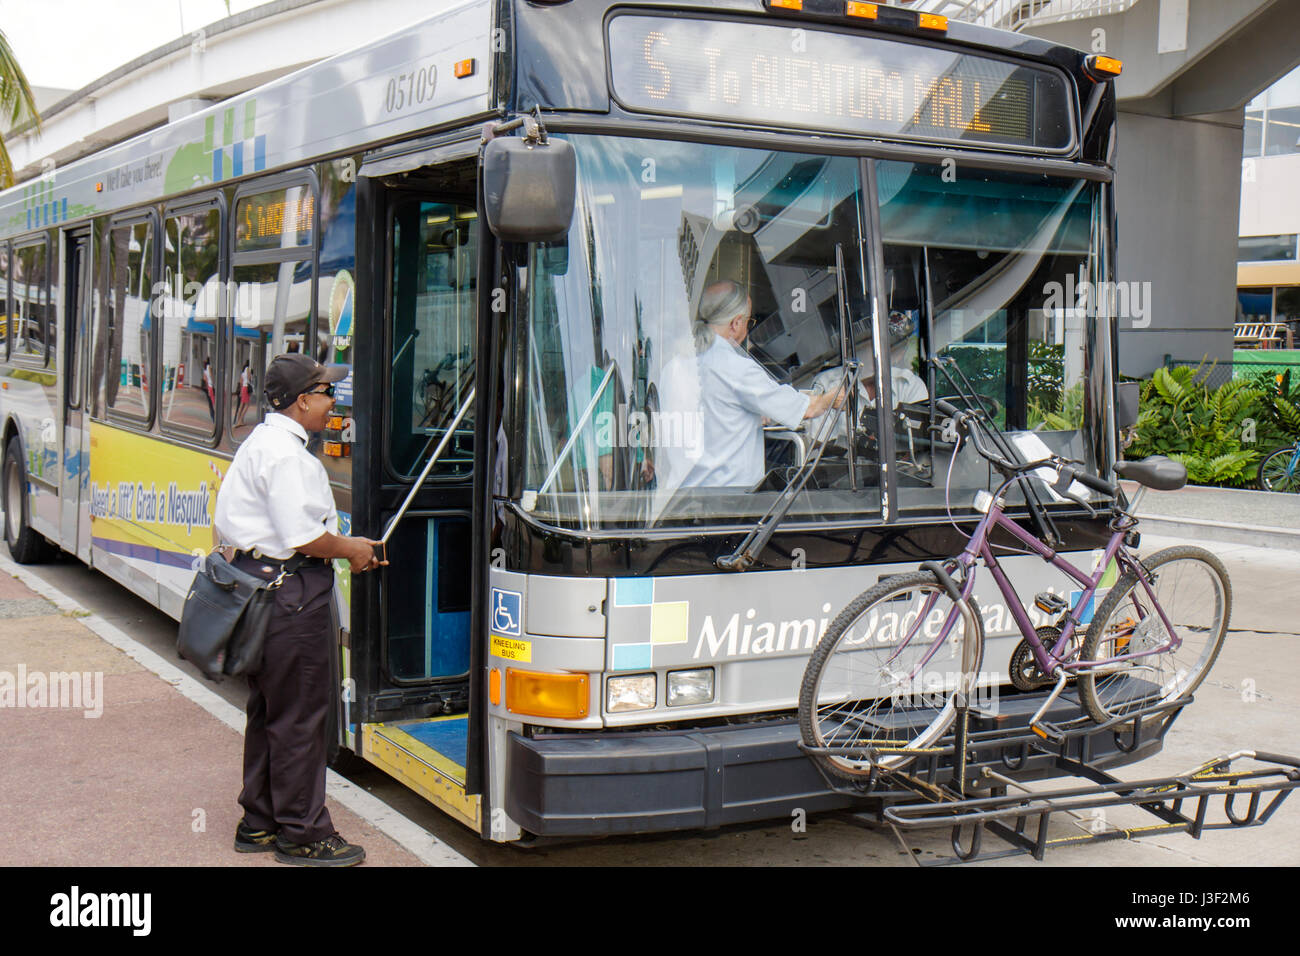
(323, 390)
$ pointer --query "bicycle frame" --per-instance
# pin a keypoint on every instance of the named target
(1050, 658)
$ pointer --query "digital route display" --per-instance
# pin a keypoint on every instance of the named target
(769, 75)
(274, 219)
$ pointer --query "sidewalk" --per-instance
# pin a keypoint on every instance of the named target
(116, 766)
(1227, 515)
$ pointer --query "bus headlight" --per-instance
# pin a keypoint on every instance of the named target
(690, 687)
(630, 693)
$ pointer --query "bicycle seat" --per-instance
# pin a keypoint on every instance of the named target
(1156, 472)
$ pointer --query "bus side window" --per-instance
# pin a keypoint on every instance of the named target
(192, 309)
(129, 342)
(4, 300)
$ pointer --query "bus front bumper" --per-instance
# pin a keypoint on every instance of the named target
(568, 785)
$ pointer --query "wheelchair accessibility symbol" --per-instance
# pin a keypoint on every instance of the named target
(507, 612)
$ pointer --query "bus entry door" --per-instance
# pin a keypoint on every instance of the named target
(412, 663)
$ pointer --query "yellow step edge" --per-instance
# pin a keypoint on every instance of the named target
(438, 779)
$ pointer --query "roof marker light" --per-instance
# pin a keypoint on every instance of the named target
(786, 4)
(464, 68)
(932, 21)
(1103, 67)
(865, 11)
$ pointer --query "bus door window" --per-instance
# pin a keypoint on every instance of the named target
(433, 314)
(192, 309)
(5, 300)
(433, 311)
(985, 264)
(79, 288)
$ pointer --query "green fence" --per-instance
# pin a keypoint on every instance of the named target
(1245, 364)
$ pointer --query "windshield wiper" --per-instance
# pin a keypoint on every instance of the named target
(747, 552)
(974, 401)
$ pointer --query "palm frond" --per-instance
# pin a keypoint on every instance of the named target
(17, 105)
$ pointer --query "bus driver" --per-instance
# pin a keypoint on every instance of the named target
(736, 395)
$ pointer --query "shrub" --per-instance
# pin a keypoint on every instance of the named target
(1219, 436)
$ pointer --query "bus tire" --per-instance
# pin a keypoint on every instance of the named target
(26, 544)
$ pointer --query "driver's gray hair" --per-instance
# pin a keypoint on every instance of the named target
(719, 305)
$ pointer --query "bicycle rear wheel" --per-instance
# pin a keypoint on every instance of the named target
(1192, 587)
(1277, 474)
(868, 688)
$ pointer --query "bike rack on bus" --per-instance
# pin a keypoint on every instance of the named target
(933, 791)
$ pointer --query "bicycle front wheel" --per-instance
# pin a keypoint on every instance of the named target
(880, 684)
(1280, 471)
(1191, 587)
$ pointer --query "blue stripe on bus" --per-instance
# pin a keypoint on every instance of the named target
(216, 165)
(63, 214)
(171, 559)
(237, 159)
(259, 153)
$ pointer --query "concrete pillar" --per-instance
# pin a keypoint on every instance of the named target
(1177, 201)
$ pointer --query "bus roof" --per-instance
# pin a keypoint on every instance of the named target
(403, 85)
(385, 90)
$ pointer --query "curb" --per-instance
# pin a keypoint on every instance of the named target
(407, 834)
(1227, 532)
(1222, 531)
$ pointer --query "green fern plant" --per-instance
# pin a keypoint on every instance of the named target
(1218, 435)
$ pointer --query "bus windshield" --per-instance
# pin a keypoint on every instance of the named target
(679, 340)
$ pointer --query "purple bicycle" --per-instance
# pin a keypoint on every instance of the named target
(884, 684)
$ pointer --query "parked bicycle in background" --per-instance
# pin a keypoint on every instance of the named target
(1280, 469)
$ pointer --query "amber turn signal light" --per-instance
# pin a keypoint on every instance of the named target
(547, 695)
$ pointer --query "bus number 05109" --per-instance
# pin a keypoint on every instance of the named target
(407, 88)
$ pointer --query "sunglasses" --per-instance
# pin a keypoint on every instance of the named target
(323, 390)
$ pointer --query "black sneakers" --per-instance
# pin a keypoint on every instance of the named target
(331, 851)
(248, 840)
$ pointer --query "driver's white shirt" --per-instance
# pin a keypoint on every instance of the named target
(904, 387)
(736, 394)
(276, 495)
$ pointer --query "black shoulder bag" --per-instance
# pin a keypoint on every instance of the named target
(223, 622)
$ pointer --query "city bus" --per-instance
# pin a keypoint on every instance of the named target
(503, 220)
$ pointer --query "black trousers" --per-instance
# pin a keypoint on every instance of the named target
(288, 701)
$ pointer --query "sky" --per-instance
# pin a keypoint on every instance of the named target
(69, 43)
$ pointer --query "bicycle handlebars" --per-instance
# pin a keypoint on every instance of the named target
(1065, 468)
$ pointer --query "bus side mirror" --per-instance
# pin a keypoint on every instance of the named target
(528, 190)
(1128, 396)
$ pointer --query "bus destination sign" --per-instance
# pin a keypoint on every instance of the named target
(769, 75)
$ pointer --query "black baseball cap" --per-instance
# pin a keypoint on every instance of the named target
(293, 373)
